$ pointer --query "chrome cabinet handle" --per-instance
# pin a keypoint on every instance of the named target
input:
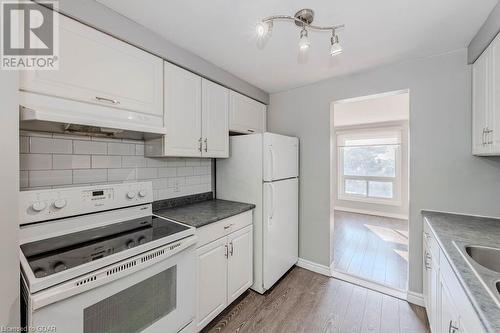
(206, 144)
(452, 328)
(488, 139)
(109, 100)
(231, 249)
(228, 226)
(226, 251)
(199, 144)
(251, 130)
(427, 261)
(483, 137)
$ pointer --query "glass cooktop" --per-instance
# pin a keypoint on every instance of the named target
(53, 255)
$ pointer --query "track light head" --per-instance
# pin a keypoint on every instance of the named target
(335, 47)
(304, 42)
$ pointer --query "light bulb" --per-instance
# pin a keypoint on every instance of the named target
(304, 40)
(335, 48)
(263, 28)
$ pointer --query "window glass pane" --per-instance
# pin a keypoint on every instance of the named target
(374, 161)
(380, 190)
(355, 187)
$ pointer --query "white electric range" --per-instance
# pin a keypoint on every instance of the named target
(95, 259)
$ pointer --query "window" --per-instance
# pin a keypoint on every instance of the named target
(369, 164)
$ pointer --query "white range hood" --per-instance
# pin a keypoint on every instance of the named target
(46, 113)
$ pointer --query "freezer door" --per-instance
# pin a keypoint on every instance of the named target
(281, 157)
(280, 229)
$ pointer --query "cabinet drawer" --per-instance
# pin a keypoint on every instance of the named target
(211, 232)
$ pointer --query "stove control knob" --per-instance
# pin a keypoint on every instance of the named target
(40, 272)
(130, 195)
(130, 244)
(60, 203)
(59, 267)
(142, 193)
(38, 206)
(141, 240)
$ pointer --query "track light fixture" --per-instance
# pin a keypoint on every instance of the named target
(303, 19)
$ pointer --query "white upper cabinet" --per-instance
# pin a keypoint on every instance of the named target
(182, 112)
(215, 120)
(245, 114)
(486, 101)
(196, 117)
(95, 68)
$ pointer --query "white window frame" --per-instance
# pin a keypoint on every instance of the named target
(396, 181)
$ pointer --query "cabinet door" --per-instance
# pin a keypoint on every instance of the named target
(215, 120)
(182, 112)
(240, 264)
(449, 316)
(434, 295)
(98, 69)
(427, 279)
(494, 115)
(245, 114)
(480, 103)
(211, 281)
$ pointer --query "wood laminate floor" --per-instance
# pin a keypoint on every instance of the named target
(304, 301)
(372, 247)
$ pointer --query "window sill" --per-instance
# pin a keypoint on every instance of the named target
(386, 202)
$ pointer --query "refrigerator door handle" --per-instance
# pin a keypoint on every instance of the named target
(271, 151)
(272, 203)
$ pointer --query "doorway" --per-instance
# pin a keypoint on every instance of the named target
(370, 186)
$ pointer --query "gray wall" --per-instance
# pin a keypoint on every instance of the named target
(107, 20)
(9, 178)
(485, 35)
(443, 173)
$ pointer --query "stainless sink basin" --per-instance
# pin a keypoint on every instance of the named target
(487, 257)
(485, 263)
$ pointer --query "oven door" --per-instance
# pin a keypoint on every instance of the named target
(158, 298)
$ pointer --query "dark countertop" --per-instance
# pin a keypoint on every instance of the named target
(463, 229)
(201, 213)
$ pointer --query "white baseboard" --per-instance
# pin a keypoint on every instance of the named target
(314, 267)
(416, 298)
(401, 294)
(371, 212)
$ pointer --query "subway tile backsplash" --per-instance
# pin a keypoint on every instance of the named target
(57, 160)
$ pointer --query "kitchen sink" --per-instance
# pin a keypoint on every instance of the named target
(485, 263)
(487, 257)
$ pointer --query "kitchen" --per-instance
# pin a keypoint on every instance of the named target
(158, 192)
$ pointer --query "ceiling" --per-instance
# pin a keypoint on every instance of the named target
(376, 33)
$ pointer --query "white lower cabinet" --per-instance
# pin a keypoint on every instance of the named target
(448, 307)
(224, 265)
(212, 280)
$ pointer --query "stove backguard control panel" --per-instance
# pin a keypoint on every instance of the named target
(49, 204)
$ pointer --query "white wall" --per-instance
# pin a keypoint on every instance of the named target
(371, 109)
(443, 173)
(9, 178)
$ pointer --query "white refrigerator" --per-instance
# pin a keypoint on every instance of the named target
(263, 169)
